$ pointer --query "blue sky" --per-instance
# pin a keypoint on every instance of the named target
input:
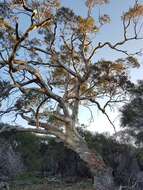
(111, 32)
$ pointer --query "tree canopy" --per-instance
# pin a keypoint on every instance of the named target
(49, 64)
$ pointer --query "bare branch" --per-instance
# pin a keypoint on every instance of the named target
(37, 112)
(104, 112)
(51, 129)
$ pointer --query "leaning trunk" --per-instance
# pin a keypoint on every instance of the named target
(102, 175)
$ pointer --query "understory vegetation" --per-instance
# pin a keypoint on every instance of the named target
(48, 163)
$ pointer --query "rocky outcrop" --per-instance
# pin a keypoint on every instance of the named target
(4, 186)
(10, 161)
(126, 170)
(126, 167)
(50, 159)
(46, 157)
(105, 180)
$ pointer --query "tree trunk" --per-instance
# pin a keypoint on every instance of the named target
(102, 176)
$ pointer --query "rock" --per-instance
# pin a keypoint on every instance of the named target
(10, 161)
(4, 186)
(104, 181)
(126, 167)
(139, 181)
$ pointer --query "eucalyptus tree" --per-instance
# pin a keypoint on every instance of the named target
(49, 68)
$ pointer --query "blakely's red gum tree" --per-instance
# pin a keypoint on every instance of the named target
(49, 68)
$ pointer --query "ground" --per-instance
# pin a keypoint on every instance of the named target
(46, 184)
(77, 186)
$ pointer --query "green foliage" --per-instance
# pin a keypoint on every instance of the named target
(106, 146)
(134, 12)
(29, 177)
(53, 53)
(132, 112)
(45, 156)
(28, 145)
(140, 157)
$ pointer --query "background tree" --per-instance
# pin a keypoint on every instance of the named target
(131, 119)
(49, 68)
